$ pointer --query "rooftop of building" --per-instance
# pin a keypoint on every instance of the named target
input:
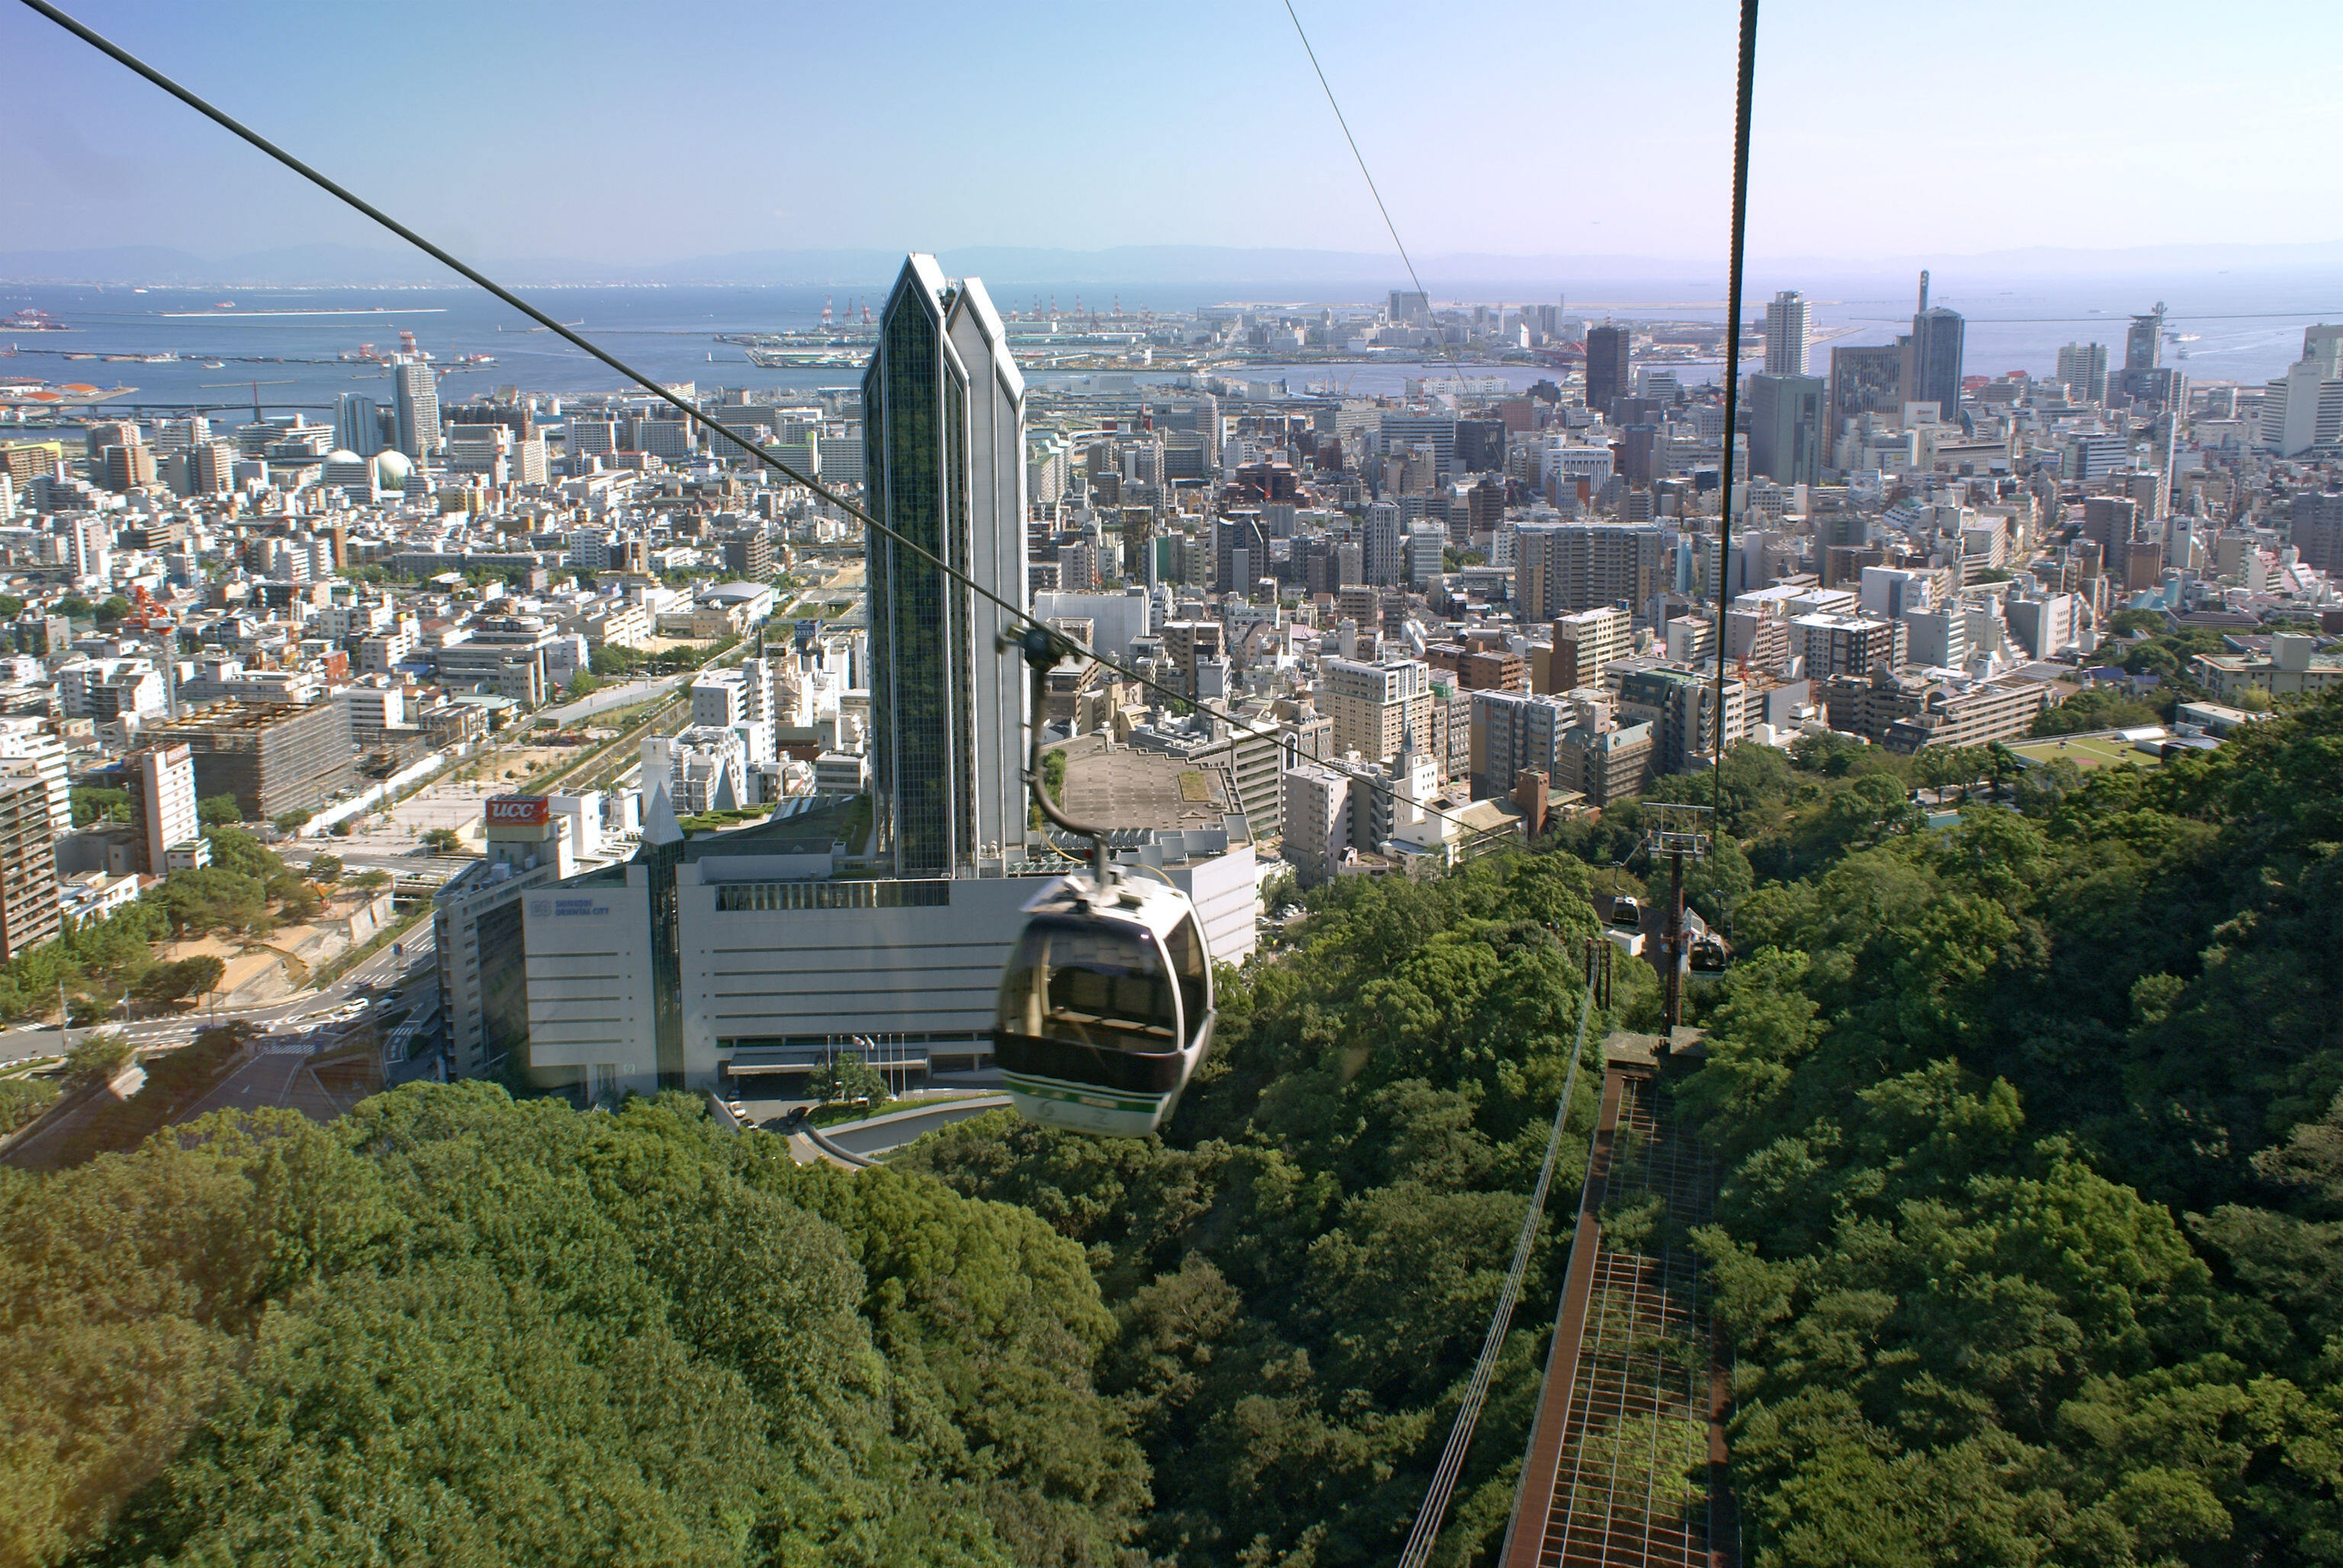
(231, 716)
(1125, 788)
(802, 825)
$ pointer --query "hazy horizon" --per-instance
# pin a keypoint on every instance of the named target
(1465, 276)
(574, 133)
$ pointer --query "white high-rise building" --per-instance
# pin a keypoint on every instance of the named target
(418, 396)
(944, 413)
(1785, 333)
(163, 804)
(2302, 409)
(25, 740)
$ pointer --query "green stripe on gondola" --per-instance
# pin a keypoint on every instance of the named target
(1097, 1099)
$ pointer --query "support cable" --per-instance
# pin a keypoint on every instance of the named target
(1361, 156)
(1429, 1517)
(1732, 373)
(691, 411)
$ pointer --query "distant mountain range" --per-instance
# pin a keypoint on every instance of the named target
(1128, 266)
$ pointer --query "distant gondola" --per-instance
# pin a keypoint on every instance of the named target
(1710, 955)
(1626, 913)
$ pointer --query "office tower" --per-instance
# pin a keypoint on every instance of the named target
(1786, 428)
(1423, 433)
(111, 433)
(2323, 344)
(2111, 521)
(2143, 344)
(2301, 409)
(1785, 333)
(1864, 381)
(358, 424)
(212, 467)
(178, 435)
(1932, 357)
(1480, 447)
(2317, 532)
(2083, 367)
(417, 401)
(1607, 365)
(1380, 559)
(1937, 637)
(162, 787)
(1240, 553)
(944, 413)
(1409, 310)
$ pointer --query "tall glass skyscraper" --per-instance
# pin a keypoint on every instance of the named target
(1606, 366)
(943, 410)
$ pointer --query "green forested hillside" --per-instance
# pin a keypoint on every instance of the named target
(2036, 1156)
(2031, 1243)
(2032, 1236)
(451, 1330)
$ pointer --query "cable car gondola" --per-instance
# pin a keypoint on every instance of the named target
(1626, 913)
(1710, 955)
(1106, 1003)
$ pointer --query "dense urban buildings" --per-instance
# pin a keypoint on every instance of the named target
(1352, 633)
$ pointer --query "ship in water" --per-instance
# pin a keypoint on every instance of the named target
(796, 358)
(31, 320)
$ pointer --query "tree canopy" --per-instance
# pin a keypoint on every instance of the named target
(451, 1328)
(2029, 1246)
(2027, 1238)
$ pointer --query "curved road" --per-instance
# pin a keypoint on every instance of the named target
(882, 1134)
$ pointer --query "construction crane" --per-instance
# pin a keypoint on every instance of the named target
(256, 386)
(146, 615)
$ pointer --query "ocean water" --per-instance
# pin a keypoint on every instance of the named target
(2243, 327)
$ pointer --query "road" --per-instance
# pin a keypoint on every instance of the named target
(366, 850)
(870, 1139)
(385, 970)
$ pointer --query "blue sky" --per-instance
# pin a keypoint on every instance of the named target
(633, 133)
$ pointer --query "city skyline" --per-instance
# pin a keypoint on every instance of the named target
(493, 160)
